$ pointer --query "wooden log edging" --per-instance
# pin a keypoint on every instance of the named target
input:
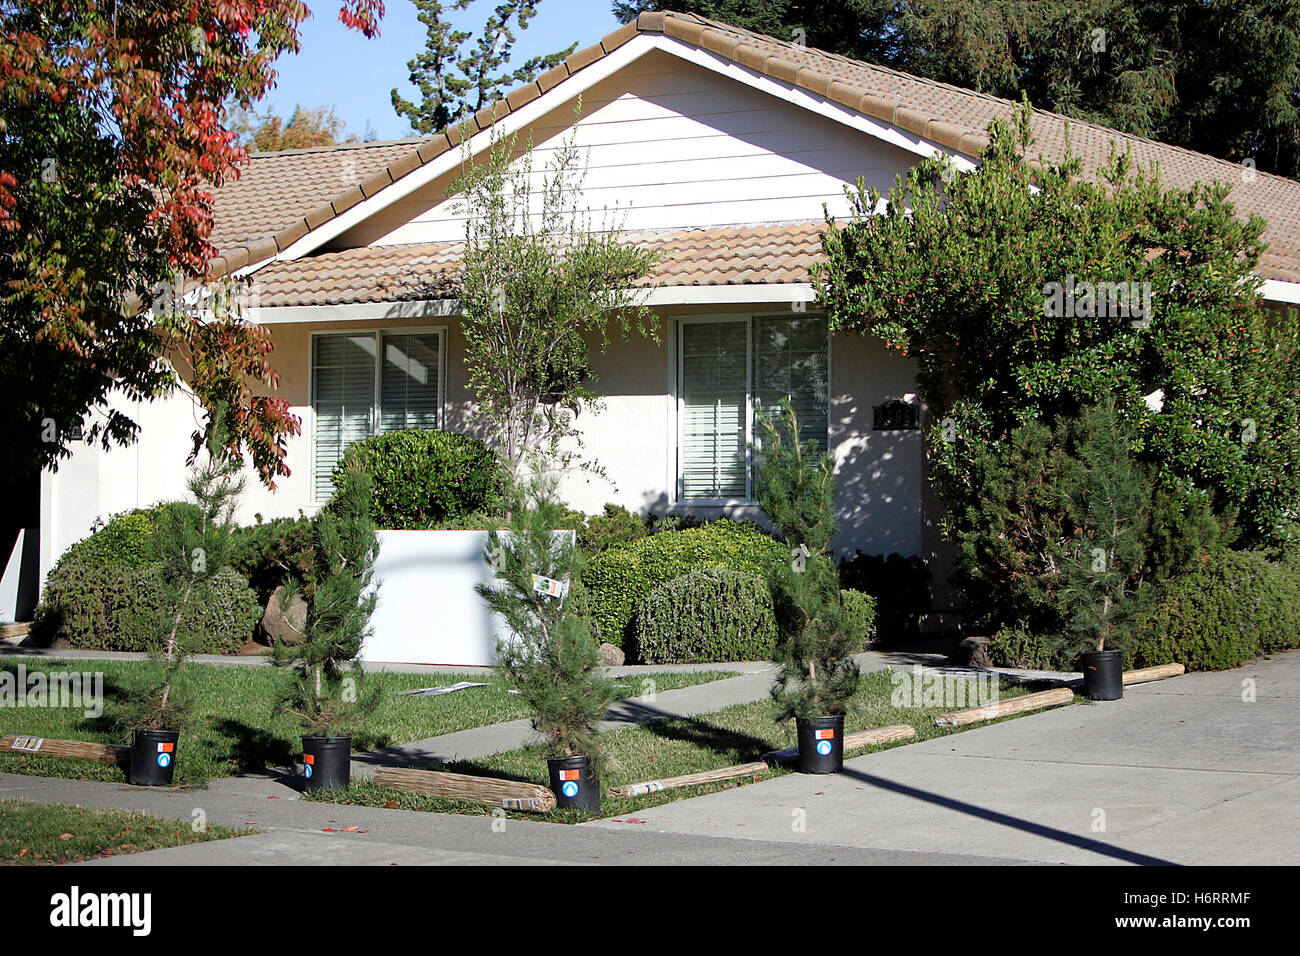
(76, 749)
(856, 741)
(689, 780)
(1004, 708)
(490, 791)
(1160, 672)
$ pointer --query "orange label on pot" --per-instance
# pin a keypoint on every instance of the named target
(827, 734)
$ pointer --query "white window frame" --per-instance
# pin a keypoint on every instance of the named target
(376, 403)
(676, 362)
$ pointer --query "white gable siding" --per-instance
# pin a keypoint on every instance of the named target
(673, 145)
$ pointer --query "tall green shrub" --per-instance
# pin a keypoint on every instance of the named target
(967, 274)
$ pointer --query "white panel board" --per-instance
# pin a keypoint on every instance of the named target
(428, 610)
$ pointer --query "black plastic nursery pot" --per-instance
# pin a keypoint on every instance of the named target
(574, 783)
(821, 744)
(1103, 675)
(327, 762)
(153, 757)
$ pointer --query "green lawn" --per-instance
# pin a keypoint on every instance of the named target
(237, 732)
(736, 735)
(33, 833)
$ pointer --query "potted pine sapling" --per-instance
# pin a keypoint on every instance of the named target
(193, 545)
(1105, 492)
(329, 690)
(549, 654)
(817, 675)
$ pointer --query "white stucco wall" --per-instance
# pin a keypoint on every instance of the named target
(633, 439)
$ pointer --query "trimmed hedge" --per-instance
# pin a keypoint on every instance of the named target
(1018, 647)
(118, 608)
(1235, 608)
(617, 580)
(709, 615)
(860, 610)
(422, 478)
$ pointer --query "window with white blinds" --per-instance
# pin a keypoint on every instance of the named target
(369, 383)
(791, 363)
(728, 371)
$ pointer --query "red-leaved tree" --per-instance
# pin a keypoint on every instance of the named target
(111, 142)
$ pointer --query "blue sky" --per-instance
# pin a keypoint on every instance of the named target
(338, 67)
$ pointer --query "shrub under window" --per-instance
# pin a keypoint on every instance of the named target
(422, 478)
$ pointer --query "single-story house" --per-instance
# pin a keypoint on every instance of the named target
(722, 147)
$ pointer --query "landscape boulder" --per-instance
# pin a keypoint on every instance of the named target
(284, 623)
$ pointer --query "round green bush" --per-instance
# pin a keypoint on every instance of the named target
(618, 579)
(421, 478)
(703, 617)
(117, 608)
(1236, 607)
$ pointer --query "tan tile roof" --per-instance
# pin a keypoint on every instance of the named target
(282, 196)
(731, 255)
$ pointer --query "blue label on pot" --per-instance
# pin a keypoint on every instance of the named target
(164, 759)
(569, 788)
(824, 747)
(307, 770)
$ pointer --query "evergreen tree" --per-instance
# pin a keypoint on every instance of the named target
(816, 638)
(194, 543)
(549, 654)
(455, 82)
(329, 687)
(1106, 492)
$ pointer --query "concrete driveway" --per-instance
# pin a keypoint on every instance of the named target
(1200, 769)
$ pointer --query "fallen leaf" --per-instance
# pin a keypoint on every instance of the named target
(390, 805)
(24, 853)
(65, 836)
(351, 829)
(328, 830)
